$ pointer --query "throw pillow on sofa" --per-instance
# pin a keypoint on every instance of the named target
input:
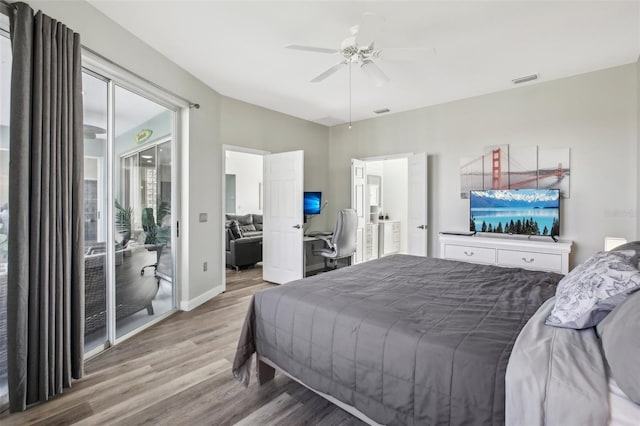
(257, 221)
(233, 226)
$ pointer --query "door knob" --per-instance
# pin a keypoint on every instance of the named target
(296, 226)
(421, 227)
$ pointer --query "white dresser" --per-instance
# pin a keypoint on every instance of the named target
(371, 241)
(389, 240)
(513, 251)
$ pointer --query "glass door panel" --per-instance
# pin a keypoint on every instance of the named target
(165, 258)
(144, 289)
(95, 190)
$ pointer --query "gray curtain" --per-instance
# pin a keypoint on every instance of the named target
(45, 315)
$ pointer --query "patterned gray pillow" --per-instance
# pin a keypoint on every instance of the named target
(590, 291)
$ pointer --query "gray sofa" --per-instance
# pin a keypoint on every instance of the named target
(243, 240)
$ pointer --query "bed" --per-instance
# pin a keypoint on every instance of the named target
(403, 339)
(413, 340)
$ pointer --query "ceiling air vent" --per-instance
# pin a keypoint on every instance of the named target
(525, 79)
(382, 111)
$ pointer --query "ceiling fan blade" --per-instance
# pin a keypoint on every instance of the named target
(328, 72)
(370, 26)
(374, 72)
(405, 53)
(312, 49)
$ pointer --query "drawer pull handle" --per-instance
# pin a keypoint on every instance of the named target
(468, 253)
(528, 260)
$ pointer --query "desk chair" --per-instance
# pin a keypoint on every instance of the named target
(343, 241)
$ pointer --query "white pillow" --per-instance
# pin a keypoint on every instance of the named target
(591, 290)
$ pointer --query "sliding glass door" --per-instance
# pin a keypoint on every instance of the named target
(128, 202)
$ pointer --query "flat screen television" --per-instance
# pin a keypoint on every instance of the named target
(312, 202)
(516, 211)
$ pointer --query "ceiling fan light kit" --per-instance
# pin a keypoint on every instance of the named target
(359, 49)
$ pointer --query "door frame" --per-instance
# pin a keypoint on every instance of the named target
(114, 75)
(223, 195)
(406, 155)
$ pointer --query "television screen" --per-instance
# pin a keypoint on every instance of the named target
(312, 202)
(516, 211)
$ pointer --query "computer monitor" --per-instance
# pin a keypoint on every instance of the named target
(312, 203)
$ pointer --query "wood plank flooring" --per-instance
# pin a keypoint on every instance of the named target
(178, 372)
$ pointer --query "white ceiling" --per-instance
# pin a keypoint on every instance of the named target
(237, 48)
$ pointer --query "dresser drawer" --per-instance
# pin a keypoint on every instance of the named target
(530, 260)
(470, 254)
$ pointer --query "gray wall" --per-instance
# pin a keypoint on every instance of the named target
(594, 114)
(251, 126)
(638, 163)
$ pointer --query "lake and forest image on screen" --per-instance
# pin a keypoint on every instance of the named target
(522, 211)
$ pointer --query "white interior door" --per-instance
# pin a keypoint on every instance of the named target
(417, 232)
(358, 186)
(282, 244)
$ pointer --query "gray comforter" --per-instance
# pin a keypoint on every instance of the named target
(404, 339)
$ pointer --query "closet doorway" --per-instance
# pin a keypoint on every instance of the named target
(389, 195)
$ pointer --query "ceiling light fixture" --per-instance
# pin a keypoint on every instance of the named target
(525, 79)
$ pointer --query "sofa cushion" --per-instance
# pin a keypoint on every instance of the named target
(245, 222)
(248, 240)
(247, 228)
(251, 233)
(257, 221)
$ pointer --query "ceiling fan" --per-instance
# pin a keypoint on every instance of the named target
(91, 131)
(359, 49)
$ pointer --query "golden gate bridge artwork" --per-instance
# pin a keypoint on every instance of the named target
(517, 168)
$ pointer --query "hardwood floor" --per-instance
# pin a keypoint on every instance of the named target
(178, 372)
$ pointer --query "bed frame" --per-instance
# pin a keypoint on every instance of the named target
(267, 370)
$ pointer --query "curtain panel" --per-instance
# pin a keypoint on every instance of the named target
(45, 309)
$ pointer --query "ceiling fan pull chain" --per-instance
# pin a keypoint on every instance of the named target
(349, 94)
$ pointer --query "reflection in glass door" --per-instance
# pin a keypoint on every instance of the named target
(128, 203)
(143, 263)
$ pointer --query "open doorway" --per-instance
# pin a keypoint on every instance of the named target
(386, 201)
(243, 206)
(389, 196)
(266, 229)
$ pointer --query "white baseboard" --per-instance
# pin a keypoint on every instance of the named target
(188, 305)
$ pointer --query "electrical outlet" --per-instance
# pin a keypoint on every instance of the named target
(205, 266)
